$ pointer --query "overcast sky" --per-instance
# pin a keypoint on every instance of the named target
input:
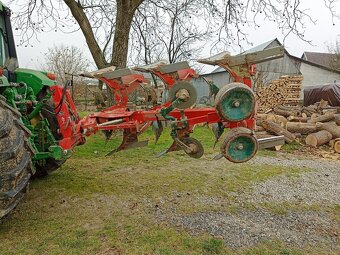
(321, 35)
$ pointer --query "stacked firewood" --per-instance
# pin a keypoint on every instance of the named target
(284, 91)
(315, 125)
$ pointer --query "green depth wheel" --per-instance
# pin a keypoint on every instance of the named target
(235, 102)
(239, 145)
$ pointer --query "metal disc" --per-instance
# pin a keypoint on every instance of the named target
(191, 90)
(239, 145)
(235, 102)
(195, 145)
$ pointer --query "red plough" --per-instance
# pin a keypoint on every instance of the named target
(234, 107)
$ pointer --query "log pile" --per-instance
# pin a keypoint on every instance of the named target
(316, 125)
(284, 91)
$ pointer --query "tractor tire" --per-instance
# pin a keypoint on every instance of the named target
(51, 164)
(15, 159)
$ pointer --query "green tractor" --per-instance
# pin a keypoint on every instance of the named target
(30, 133)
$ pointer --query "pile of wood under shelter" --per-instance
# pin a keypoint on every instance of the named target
(284, 91)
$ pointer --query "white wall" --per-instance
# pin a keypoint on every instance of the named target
(313, 75)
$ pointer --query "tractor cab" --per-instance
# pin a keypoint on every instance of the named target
(8, 55)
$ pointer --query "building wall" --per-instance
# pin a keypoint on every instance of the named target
(273, 69)
(313, 75)
(202, 88)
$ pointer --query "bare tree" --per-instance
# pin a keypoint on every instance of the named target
(171, 30)
(65, 59)
(335, 60)
(106, 24)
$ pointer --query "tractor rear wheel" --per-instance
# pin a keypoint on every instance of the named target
(15, 159)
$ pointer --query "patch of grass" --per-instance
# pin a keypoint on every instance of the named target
(278, 248)
(212, 246)
(290, 148)
(286, 207)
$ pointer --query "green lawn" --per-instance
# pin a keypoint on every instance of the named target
(105, 205)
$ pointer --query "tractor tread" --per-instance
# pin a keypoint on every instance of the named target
(13, 148)
(7, 123)
(19, 169)
(15, 159)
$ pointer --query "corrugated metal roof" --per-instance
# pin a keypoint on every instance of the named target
(260, 47)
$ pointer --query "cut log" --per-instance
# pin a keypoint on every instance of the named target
(297, 119)
(261, 116)
(281, 120)
(302, 128)
(323, 104)
(337, 119)
(335, 145)
(319, 138)
(276, 129)
(271, 117)
(262, 134)
(284, 112)
(323, 118)
(259, 128)
(297, 135)
(311, 109)
(331, 128)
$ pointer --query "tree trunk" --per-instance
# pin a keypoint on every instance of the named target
(85, 26)
(121, 38)
(276, 129)
(302, 128)
(319, 138)
(331, 128)
(124, 16)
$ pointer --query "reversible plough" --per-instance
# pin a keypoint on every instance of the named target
(234, 107)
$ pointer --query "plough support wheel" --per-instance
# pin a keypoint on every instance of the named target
(194, 148)
(235, 102)
(239, 145)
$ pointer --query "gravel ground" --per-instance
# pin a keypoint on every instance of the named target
(247, 228)
(321, 186)
(244, 228)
